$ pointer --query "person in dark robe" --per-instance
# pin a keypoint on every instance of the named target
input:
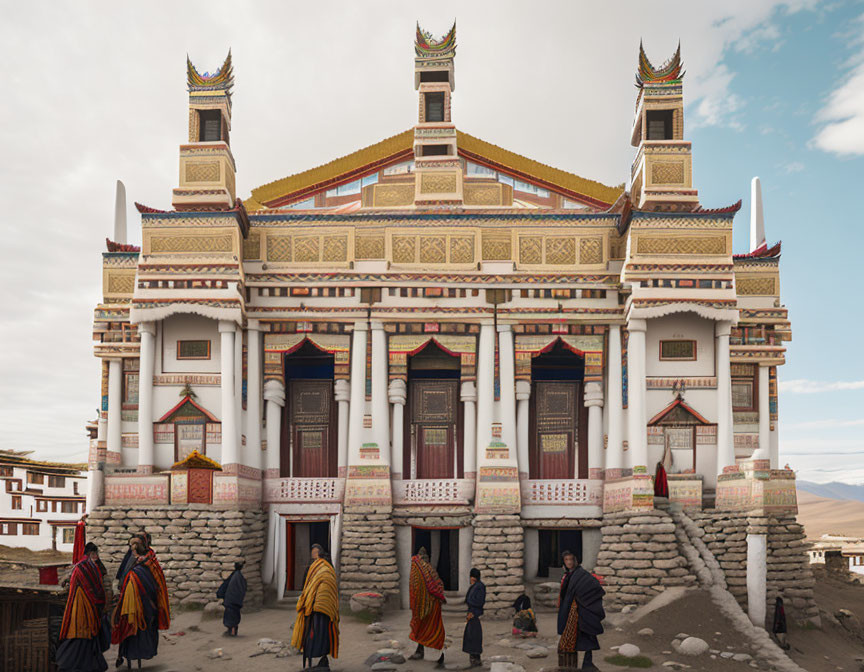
(580, 614)
(316, 630)
(778, 628)
(130, 557)
(472, 638)
(426, 595)
(524, 620)
(142, 609)
(232, 592)
(84, 634)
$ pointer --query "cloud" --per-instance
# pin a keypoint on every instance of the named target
(792, 167)
(804, 386)
(842, 116)
(826, 424)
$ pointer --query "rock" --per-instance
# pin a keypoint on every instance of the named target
(726, 654)
(216, 653)
(628, 608)
(212, 611)
(537, 652)
(385, 665)
(629, 650)
(742, 657)
(377, 628)
(646, 633)
(671, 664)
(682, 636)
(366, 601)
(693, 646)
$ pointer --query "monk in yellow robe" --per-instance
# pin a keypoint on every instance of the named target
(426, 593)
(316, 630)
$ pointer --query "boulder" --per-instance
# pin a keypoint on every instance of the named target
(629, 650)
(693, 646)
(646, 633)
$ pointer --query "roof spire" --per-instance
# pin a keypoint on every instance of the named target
(120, 214)
(757, 219)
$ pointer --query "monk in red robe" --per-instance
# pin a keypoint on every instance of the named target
(426, 592)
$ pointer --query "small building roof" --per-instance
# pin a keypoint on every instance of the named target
(196, 460)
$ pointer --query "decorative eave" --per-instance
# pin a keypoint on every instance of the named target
(239, 210)
(426, 46)
(188, 400)
(120, 247)
(196, 460)
(761, 252)
(678, 403)
(399, 148)
(222, 80)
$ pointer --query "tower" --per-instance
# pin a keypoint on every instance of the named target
(662, 174)
(206, 164)
(438, 171)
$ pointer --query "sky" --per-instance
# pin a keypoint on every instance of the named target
(93, 92)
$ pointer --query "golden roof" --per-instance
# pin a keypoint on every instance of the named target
(196, 460)
(399, 147)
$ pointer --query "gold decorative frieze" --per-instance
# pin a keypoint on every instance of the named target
(181, 244)
(433, 250)
(560, 251)
(705, 245)
(252, 247)
(202, 171)
(667, 172)
(461, 249)
(483, 194)
(389, 195)
(591, 250)
(497, 246)
(438, 183)
(369, 247)
(404, 249)
(756, 286)
(120, 283)
(335, 248)
(306, 249)
(278, 248)
(530, 250)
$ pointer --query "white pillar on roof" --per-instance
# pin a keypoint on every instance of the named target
(145, 397)
(757, 218)
(614, 405)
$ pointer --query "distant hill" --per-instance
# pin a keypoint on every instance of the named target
(833, 490)
(821, 515)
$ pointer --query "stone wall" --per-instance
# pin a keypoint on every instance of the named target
(639, 557)
(498, 551)
(196, 546)
(789, 575)
(368, 553)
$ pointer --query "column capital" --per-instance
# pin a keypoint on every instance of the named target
(468, 392)
(227, 326)
(341, 390)
(274, 390)
(398, 392)
(637, 325)
(593, 394)
(376, 325)
(502, 328)
(253, 325)
(147, 328)
(523, 390)
(722, 328)
(361, 325)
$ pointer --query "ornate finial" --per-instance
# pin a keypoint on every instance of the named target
(426, 46)
(668, 72)
(678, 388)
(187, 391)
(222, 79)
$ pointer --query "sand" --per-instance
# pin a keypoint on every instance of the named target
(830, 516)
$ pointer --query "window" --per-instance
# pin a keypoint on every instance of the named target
(369, 179)
(434, 106)
(744, 387)
(193, 349)
(41, 505)
(10, 529)
(68, 535)
(300, 205)
(16, 502)
(434, 76)
(530, 189)
(130, 390)
(345, 189)
(370, 294)
(6, 471)
(56, 481)
(400, 168)
(30, 528)
(69, 507)
(506, 179)
(659, 124)
(433, 150)
(75, 487)
(210, 125)
(678, 350)
(476, 169)
(35, 479)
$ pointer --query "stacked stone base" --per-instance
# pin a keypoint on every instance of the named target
(498, 551)
(196, 546)
(789, 575)
(639, 557)
(368, 553)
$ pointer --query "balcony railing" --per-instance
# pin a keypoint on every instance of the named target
(433, 491)
(304, 489)
(575, 491)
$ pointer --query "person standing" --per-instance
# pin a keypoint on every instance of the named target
(580, 614)
(142, 609)
(232, 592)
(472, 638)
(316, 630)
(426, 595)
(83, 639)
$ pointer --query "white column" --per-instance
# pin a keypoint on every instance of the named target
(147, 353)
(725, 440)
(115, 402)
(230, 453)
(485, 386)
(238, 392)
(636, 415)
(763, 452)
(614, 407)
(466, 541)
(253, 396)
(507, 372)
(398, 394)
(380, 407)
(532, 552)
(757, 574)
(342, 393)
(523, 400)
(468, 395)
(274, 395)
(594, 402)
(96, 486)
(358, 391)
(403, 560)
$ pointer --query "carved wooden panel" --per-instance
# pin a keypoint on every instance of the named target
(310, 401)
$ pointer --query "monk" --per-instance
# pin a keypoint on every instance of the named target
(142, 609)
(426, 593)
(580, 614)
(232, 592)
(83, 637)
(475, 599)
(316, 630)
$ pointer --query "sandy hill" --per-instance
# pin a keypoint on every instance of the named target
(821, 515)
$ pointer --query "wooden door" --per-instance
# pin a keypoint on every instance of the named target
(311, 431)
(434, 411)
(555, 420)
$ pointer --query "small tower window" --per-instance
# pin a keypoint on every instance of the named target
(659, 123)
(435, 76)
(434, 150)
(435, 106)
(210, 128)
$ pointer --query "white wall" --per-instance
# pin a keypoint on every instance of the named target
(681, 326)
(189, 328)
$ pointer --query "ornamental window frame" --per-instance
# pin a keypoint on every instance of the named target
(666, 358)
(181, 357)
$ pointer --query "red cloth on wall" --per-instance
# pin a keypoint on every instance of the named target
(79, 543)
(661, 483)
